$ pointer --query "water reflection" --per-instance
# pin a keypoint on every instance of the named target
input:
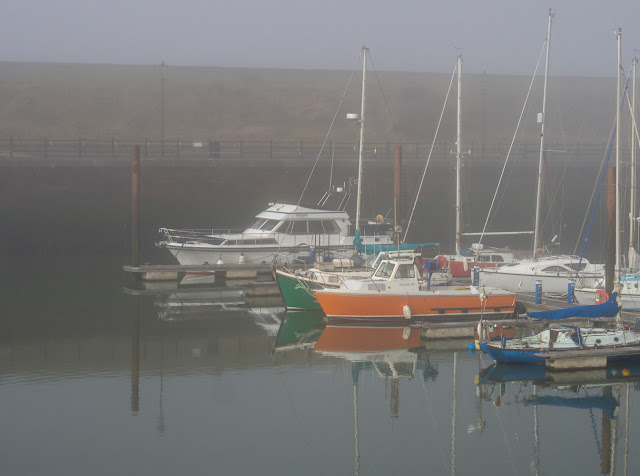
(199, 375)
(599, 391)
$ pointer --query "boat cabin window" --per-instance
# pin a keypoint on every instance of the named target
(330, 226)
(497, 259)
(264, 224)
(267, 241)
(554, 269)
(315, 228)
(270, 225)
(405, 271)
(258, 224)
(384, 270)
(299, 228)
(576, 266)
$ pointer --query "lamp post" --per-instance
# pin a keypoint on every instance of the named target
(163, 78)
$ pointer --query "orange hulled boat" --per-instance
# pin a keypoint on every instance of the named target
(397, 293)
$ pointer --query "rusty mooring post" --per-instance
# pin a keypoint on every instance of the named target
(135, 208)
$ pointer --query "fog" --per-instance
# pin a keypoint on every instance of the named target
(496, 36)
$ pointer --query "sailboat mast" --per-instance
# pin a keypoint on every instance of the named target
(616, 278)
(459, 161)
(632, 206)
(536, 236)
(364, 82)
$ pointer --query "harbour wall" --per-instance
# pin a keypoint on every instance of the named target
(83, 206)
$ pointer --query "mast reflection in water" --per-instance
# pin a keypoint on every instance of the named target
(100, 380)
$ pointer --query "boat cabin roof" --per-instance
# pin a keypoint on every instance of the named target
(283, 211)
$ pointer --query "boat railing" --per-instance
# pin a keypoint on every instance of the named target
(193, 234)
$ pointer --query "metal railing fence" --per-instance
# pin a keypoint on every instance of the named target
(273, 149)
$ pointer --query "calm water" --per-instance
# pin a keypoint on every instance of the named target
(98, 379)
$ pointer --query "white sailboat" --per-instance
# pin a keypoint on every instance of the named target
(627, 284)
(463, 261)
(553, 272)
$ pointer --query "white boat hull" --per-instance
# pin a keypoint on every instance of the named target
(527, 283)
(197, 254)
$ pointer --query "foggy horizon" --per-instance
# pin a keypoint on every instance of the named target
(496, 37)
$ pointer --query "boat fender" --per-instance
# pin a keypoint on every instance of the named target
(406, 333)
(241, 259)
(465, 264)
(406, 312)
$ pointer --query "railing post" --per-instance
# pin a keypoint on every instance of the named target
(270, 148)
(146, 147)
(46, 143)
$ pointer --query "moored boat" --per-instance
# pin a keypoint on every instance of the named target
(395, 293)
(297, 287)
(533, 349)
(553, 272)
(283, 233)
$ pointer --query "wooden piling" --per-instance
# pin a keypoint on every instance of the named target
(135, 208)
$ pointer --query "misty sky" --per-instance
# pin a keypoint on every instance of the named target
(499, 36)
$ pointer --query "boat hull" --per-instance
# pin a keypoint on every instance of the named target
(423, 305)
(512, 356)
(297, 292)
(187, 254)
(517, 282)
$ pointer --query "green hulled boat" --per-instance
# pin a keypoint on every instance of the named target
(299, 329)
(297, 291)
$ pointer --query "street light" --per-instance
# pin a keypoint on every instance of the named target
(163, 78)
